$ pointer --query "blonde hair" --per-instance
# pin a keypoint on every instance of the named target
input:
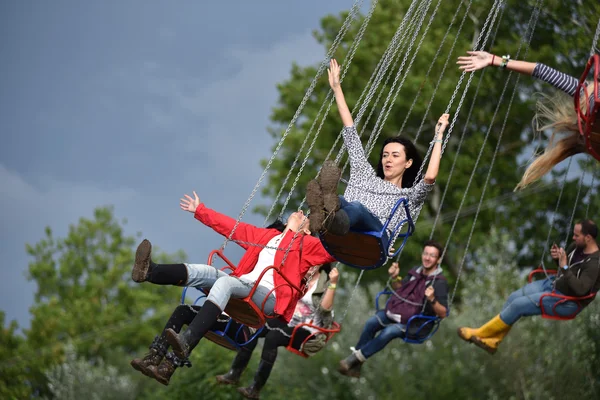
(557, 114)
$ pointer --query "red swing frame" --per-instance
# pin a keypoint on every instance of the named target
(244, 310)
(586, 120)
(329, 333)
(563, 298)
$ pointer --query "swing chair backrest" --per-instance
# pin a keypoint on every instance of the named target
(587, 119)
(244, 310)
(419, 327)
(329, 333)
(563, 298)
(367, 250)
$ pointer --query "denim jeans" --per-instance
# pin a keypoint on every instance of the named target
(361, 219)
(370, 344)
(525, 302)
(223, 287)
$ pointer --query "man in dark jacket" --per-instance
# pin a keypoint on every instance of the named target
(423, 291)
(578, 275)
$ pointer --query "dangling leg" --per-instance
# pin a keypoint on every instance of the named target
(159, 274)
(183, 314)
(351, 365)
(273, 339)
(240, 362)
(522, 302)
(223, 289)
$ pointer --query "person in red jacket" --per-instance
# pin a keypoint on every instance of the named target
(264, 248)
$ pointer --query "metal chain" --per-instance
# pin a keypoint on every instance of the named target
(581, 178)
(555, 213)
(350, 57)
(587, 209)
(594, 48)
(333, 48)
(437, 53)
(527, 38)
(351, 296)
(383, 116)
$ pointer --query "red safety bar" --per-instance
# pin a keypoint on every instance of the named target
(244, 310)
(586, 119)
(563, 298)
(329, 333)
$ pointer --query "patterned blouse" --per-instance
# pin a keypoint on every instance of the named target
(377, 195)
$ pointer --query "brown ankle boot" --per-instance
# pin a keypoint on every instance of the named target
(142, 261)
(351, 365)
(329, 178)
(148, 364)
(167, 367)
(314, 200)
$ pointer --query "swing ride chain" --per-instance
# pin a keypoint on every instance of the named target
(333, 48)
(393, 90)
(562, 189)
(527, 36)
(575, 206)
(350, 58)
(587, 210)
(435, 57)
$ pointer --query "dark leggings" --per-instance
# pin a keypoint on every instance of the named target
(183, 315)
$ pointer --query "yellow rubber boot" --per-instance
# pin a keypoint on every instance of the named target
(488, 329)
(488, 336)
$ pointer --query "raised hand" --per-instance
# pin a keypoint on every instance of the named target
(554, 251)
(442, 123)
(474, 61)
(334, 275)
(334, 74)
(187, 203)
(394, 270)
(430, 293)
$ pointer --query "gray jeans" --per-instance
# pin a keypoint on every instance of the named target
(223, 287)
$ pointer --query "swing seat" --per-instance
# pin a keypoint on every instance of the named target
(230, 337)
(368, 250)
(244, 310)
(419, 327)
(329, 333)
(563, 298)
(587, 118)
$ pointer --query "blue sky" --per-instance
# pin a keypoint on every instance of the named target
(132, 104)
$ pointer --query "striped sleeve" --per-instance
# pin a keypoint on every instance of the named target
(559, 80)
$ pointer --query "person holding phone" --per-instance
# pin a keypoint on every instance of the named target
(424, 290)
(578, 275)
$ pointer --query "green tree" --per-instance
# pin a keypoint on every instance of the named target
(13, 384)
(558, 41)
(85, 296)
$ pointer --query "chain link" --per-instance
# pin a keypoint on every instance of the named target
(527, 39)
(333, 48)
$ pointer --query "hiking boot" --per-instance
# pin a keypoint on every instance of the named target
(328, 179)
(239, 364)
(337, 223)
(351, 365)
(142, 261)
(167, 367)
(179, 342)
(314, 199)
(148, 364)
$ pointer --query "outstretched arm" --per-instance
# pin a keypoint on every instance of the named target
(327, 299)
(334, 81)
(436, 153)
(480, 59)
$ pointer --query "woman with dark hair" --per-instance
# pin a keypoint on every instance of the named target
(371, 195)
(556, 114)
(315, 307)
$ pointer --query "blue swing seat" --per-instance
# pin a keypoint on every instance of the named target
(419, 328)
(368, 250)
